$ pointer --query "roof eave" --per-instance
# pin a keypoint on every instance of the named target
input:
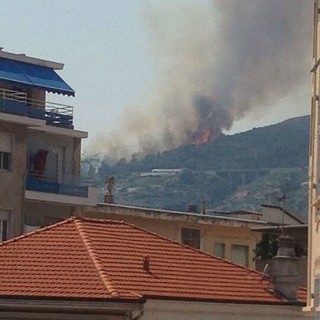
(230, 300)
(68, 305)
(68, 92)
(31, 60)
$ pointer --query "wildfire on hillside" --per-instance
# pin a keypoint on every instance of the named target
(204, 137)
(210, 115)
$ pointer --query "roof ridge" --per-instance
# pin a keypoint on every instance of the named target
(31, 233)
(98, 220)
(96, 261)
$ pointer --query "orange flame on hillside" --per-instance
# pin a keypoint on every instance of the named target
(204, 137)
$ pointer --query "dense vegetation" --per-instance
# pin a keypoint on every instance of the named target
(240, 171)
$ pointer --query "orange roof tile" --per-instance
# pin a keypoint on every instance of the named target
(104, 259)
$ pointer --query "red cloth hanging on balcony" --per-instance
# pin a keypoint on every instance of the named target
(40, 160)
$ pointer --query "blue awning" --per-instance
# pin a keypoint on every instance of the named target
(33, 75)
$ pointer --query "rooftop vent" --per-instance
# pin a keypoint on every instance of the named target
(146, 264)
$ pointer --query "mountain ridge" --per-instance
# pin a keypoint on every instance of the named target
(272, 160)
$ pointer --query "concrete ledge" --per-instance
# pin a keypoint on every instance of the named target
(91, 200)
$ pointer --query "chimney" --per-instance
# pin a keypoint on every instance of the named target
(285, 269)
(192, 208)
(203, 207)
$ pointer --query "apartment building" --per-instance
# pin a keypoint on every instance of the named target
(226, 237)
(39, 147)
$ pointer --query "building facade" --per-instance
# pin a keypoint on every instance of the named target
(313, 301)
(226, 237)
(39, 147)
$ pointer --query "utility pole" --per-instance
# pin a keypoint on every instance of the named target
(314, 187)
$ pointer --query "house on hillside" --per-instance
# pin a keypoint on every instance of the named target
(103, 269)
(39, 147)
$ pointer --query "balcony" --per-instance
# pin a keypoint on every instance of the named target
(35, 181)
(70, 191)
(17, 103)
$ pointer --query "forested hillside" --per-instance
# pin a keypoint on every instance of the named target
(239, 171)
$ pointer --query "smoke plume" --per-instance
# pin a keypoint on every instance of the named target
(217, 62)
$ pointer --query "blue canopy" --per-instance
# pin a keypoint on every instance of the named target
(33, 75)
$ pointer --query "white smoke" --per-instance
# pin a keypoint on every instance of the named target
(217, 62)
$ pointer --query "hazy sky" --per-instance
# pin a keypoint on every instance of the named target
(105, 46)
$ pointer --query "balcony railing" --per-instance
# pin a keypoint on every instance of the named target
(55, 114)
(35, 181)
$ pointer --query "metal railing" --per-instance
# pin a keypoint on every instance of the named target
(16, 102)
(54, 177)
(70, 185)
(13, 95)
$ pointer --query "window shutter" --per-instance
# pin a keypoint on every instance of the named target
(5, 142)
(4, 214)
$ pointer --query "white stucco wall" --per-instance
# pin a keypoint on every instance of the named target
(314, 251)
(275, 215)
(186, 310)
(12, 181)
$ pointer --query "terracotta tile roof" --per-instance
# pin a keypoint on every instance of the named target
(84, 258)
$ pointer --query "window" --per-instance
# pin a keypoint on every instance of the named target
(240, 254)
(5, 160)
(191, 237)
(6, 140)
(4, 224)
(219, 249)
(3, 230)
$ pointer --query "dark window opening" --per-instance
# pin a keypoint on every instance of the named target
(4, 230)
(5, 160)
(191, 237)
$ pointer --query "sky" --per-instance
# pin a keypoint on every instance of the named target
(106, 46)
(103, 45)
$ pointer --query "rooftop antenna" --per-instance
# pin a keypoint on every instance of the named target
(265, 275)
(281, 199)
(109, 181)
